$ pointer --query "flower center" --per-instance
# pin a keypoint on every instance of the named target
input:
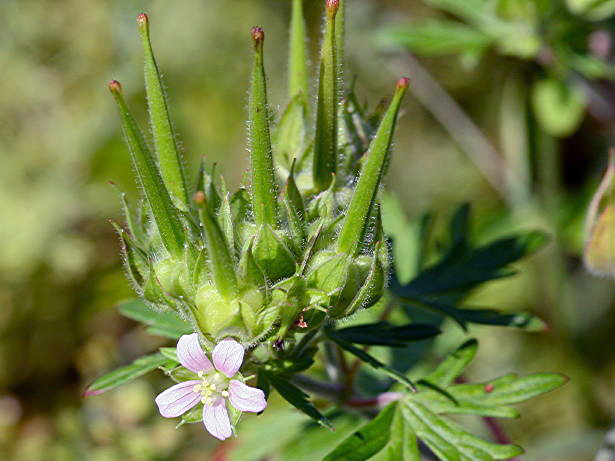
(213, 386)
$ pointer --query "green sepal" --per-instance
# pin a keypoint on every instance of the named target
(249, 271)
(163, 210)
(264, 187)
(288, 297)
(225, 218)
(325, 143)
(169, 157)
(211, 191)
(241, 212)
(295, 212)
(222, 265)
(133, 224)
(329, 274)
(373, 170)
(290, 132)
(272, 254)
(371, 290)
(135, 259)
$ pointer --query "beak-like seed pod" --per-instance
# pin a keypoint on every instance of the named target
(259, 265)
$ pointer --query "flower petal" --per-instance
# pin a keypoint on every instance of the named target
(191, 355)
(228, 357)
(178, 399)
(246, 398)
(216, 420)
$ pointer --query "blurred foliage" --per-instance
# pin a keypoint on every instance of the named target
(60, 274)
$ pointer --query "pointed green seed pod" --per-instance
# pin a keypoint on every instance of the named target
(340, 32)
(298, 82)
(264, 188)
(171, 166)
(325, 143)
(164, 212)
(372, 172)
(221, 263)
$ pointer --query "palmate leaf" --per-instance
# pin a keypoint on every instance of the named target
(463, 267)
(167, 324)
(461, 270)
(127, 373)
(395, 433)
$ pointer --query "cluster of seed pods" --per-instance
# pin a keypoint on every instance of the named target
(299, 245)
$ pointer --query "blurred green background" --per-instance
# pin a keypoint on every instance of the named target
(478, 109)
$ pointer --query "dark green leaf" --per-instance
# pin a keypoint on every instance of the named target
(372, 361)
(385, 334)
(295, 396)
(460, 272)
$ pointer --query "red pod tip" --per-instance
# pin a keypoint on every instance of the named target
(403, 83)
(333, 6)
(142, 21)
(258, 35)
(199, 197)
(115, 87)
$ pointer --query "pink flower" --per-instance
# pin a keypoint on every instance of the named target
(216, 385)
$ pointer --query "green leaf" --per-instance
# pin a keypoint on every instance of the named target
(356, 221)
(169, 157)
(522, 320)
(448, 441)
(476, 12)
(394, 433)
(325, 143)
(385, 334)
(454, 364)
(295, 396)
(438, 37)
(126, 374)
(264, 187)
(167, 323)
(370, 360)
(386, 437)
(461, 271)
